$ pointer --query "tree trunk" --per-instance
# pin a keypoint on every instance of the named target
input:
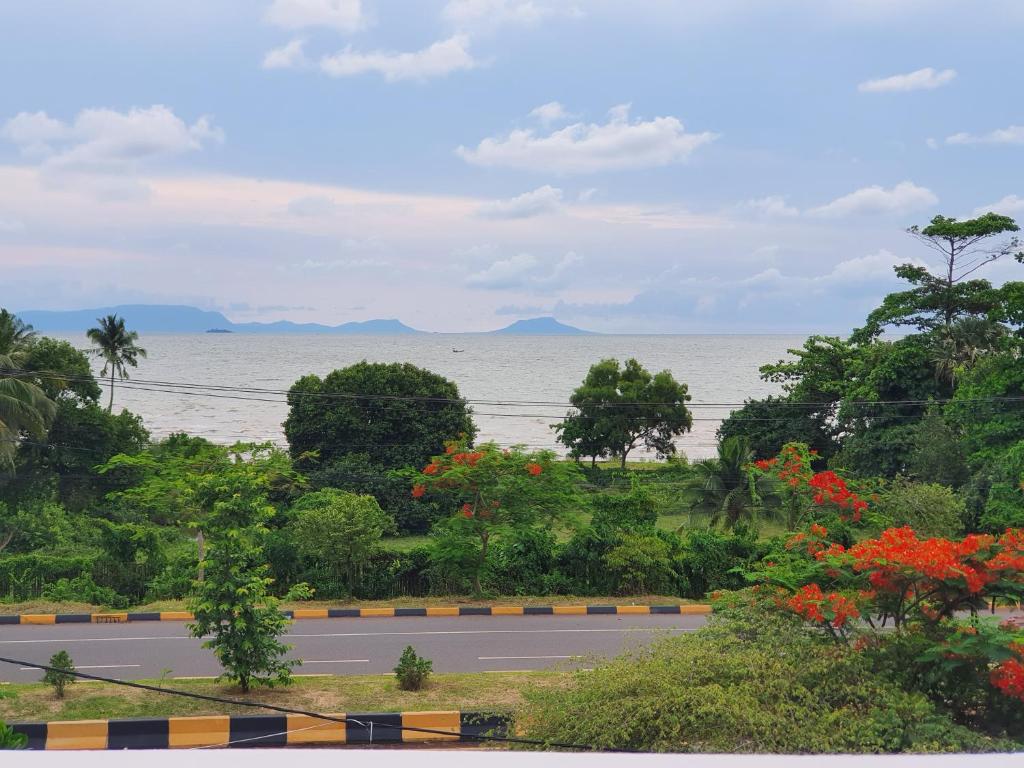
(484, 536)
(201, 551)
(110, 405)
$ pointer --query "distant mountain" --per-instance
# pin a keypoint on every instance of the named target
(542, 326)
(176, 318)
(172, 318)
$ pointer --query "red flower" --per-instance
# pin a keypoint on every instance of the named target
(467, 510)
(1008, 677)
(418, 490)
(819, 530)
(431, 469)
(533, 468)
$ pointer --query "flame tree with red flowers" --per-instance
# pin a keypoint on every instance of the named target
(494, 490)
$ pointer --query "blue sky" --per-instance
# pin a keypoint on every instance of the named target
(626, 166)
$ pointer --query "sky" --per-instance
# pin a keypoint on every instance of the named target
(646, 166)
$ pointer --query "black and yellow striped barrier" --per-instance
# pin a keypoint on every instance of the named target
(366, 613)
(261, 730)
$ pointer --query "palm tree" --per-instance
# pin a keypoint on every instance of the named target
(959, 347)
(116, 345)
(724, 489)
(16, 336)
(24, 409)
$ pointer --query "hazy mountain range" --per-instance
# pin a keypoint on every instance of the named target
(169, 318)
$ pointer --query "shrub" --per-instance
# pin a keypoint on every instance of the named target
(930, 509)
(412, 670)
(642, 565)
(709, 560)
(82, 589)
(23, 577)
(520, 561)
(633, 510)
(57, 676)
(10, 739)
(748, 682)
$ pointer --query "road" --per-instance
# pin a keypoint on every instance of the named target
(345, 646)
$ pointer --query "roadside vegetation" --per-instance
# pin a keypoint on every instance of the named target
(884, 484)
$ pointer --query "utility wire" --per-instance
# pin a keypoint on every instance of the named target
(289, 710)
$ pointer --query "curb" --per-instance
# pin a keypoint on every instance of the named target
(367, 613)
(259, 730)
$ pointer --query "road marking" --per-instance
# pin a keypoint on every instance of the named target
(196, 677)
(368, 634)
(94, 666)
(507, 658)
(336, 661)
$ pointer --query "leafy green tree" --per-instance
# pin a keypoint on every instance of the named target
(724, 489)
(16, 336)
(617, 409)
(986, 408)
(63, 371)
(59, 676)
(116, 346)
(938, 299)
(495, 491)
(339, 531)
(397, 414)
(928, 508)
(641, 564)
(1004, 500)
(24, 409)
(232, 605)
(936, 454)
(770, 423)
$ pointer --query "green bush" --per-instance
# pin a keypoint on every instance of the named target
(641, 564)
(709, 559)
(10, 739)
(633, 510)
(23, 577)
(82, 589)
(58, 676)
(520, 561)
(412, 670)
(928, 508)
(746, 683)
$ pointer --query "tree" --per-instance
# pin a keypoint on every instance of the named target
(24, 409)
(496, 491)
(339, 530)
(940, 298)
(16, 336)
(618, 409)
(724, 488)
(232, 604)
(770, 423)
(116, 345)
(61, 370)
(397, 414)
(60, 675)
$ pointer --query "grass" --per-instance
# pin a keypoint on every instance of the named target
(480, 691)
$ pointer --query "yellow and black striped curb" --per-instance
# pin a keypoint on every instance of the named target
(261, 730)
(367, 613)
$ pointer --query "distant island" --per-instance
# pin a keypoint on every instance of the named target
(174, 318)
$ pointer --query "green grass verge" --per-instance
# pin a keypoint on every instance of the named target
(485, 691)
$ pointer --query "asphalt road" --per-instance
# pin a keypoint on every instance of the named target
(345, 646)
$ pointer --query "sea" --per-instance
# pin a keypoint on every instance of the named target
(522, 384)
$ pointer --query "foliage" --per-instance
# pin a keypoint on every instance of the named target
(82, 589)
(769, 424)
(641, 564)
(339, 529)
(1004, 505)
(412, 670)
(33, 525)
(58, 676)
(752, 681)
(16, 336)
(618, 409)
(11, 739)
(115, 344)
(232, 604)
(710, 561)
(396, 414)
(24, 576)
(494, 491)
(626, 511)
(936, 453)
(985, 408)
(62, 371)
(928, 508)
(24, 409)
(726, 490)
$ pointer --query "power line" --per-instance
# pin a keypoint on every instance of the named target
(290, 710)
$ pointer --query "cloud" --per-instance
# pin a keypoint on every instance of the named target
(105, 140)
(926, 79)
(549, 113)
(772, 206)
(903, 198)
(288, 56)
(546, 199)
(312, 205)
(342, 15)
(476, 13)
(588, 147)
(523, 271)
(1013, 134)
(437, 60)
(1008, 206)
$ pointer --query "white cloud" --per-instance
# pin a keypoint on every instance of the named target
(773, 206)
(926, 79)
(524, 271)
(549, 113)
(288, 56)
(312, 205)
(931, 143)
(546, 199)
(342, 15)
(106, 140)
(1008, 206)
(1013, 134)
(588, 147)
(905, 197)
(441, 58)
(476, 13)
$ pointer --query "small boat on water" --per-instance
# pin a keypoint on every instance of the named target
(457, 350)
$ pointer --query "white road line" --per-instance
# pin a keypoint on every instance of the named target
(94, 666)
(507, 658)
(336, 661)
(367, 634)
